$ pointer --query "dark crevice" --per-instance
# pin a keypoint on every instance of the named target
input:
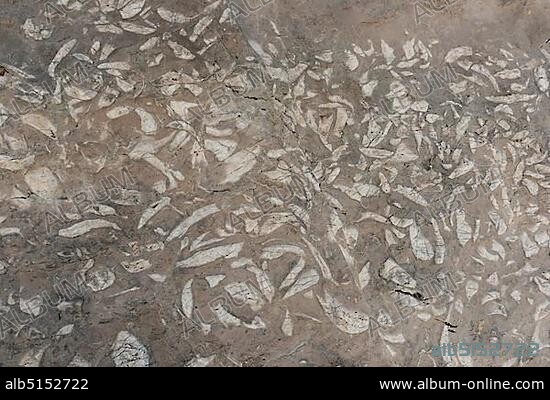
(416, 295)
(451, 327)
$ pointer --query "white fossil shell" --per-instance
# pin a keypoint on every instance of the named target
(81, 228)
(348, 321)
(131, 8)
(32, 358)
(458, 52)
(287, 327)
(136, 266)
(127, 351)
(200, 361)
(187, 299)
(305, 280)
(41, 124)
(100, 279)
(207, 256)
(42, 182)
(421, 246)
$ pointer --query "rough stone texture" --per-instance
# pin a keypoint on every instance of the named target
(273, 183)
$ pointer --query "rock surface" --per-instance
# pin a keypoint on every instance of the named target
(273, 183)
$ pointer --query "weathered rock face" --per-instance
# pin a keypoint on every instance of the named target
(272, 183)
